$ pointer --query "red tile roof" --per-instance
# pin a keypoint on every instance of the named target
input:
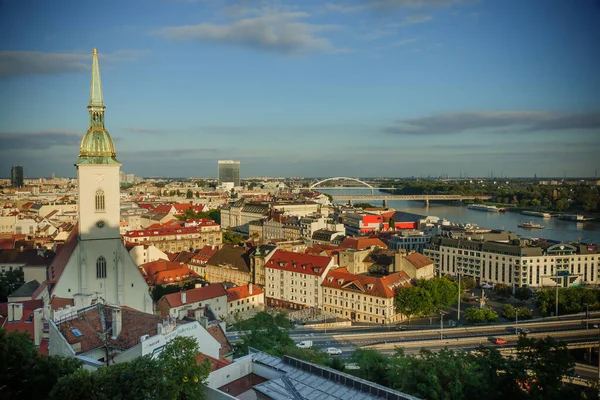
(205, 253)
(214, 363)
(418, 260)
(161, 272)
(361, 243)
(162, 231)
(217, 333)
(23, 325)
(194, 295)
(242, 292)
(341, 278)
(134, 324)
(296, 262)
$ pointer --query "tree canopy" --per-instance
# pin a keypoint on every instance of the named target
(414, 300)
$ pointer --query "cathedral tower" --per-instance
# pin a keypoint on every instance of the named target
(98, 171)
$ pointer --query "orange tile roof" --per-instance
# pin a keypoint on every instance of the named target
(297, 262)
(161, 272)
(242, 292)
(418, 260)
(341, 278)
(214, 363)
(217, 333)
(194, 295)
(361, 243)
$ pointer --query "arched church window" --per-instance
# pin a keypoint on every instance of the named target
(101, 268)
(99, 200)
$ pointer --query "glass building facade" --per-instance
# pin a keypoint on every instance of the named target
(229, 171)
(16, 176)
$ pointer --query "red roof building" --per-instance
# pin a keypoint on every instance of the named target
(245, 300)
(293, 280)
(213, 295)
(363, 298)
(165, 272)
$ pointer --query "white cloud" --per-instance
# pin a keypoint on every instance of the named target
(18, 63)
(273, 32)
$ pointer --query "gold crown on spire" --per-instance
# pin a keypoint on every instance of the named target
(95, 52)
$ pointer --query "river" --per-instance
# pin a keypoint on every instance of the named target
(556, 229)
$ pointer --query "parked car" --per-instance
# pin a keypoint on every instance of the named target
(333, 351)
(525, 331)
(307, 344)
(352, 366)
(401, 328)
(499, 341)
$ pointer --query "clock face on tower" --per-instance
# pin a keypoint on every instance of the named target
(100, 224)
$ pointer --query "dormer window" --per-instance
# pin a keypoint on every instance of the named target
(370, 286)
(340, 281)
(330, 279)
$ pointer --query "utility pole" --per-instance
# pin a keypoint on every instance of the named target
(516, 323)
(441, 326)
(458, 272)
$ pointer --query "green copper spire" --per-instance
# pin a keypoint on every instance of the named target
(97, 146)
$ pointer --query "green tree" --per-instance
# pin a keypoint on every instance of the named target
(524, 313)
(502, 290)
(443, 291)
(373, 365)
(26, 374)
(392, 223)
(363, 205)
(174, 374)
(413, 301)
(508, 312)
(523, 293)
(474, 315)
(264, 332)
(9, 282)
(467, 282)
(490, 315)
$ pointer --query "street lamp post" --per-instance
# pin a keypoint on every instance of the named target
(441, 326)
(556, 315)
(516, 323)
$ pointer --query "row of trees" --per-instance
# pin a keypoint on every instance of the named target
(9, 282)
(559, 198)
(214, 214)
(475, 315)
(510, 312)
(570, 300)
(174, 374)
(535, 372)
(159, 291)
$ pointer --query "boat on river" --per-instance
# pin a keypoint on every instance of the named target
(537, 214)
(575, 217)
(531, 225)
(483, 207)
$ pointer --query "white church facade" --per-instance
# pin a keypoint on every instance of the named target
(94, 261)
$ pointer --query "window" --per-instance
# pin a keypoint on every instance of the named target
(101, 268)
(99, 200)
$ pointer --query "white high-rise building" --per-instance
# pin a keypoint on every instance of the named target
(229, 172)
(94, 261)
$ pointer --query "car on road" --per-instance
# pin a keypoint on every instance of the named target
(333, 351)
(401, 328)
(525, 331)
(307, 344)
(499, 341)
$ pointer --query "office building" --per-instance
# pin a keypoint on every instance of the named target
(16, 176)
(518, 263)
(229, 171)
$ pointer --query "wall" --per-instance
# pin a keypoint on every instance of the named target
(241, 367)
(57, 344)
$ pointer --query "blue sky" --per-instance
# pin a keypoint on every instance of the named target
(306, 88)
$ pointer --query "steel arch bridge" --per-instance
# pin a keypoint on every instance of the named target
(343, 178)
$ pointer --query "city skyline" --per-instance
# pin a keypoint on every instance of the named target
(356, 88)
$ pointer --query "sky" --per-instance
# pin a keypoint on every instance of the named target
(361, 88)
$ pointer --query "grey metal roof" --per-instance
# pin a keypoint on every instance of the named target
(301, 380)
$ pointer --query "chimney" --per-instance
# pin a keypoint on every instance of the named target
(183, 297)
(117, 322)
(38, 326)
(250, 289)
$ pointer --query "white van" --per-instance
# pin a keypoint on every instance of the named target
(307, 344)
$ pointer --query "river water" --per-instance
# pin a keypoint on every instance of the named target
(556, 229)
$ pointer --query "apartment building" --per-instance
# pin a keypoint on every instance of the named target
(518, 262)
(176, 239)
(363, 298)
(244, 301)
(293, 280)
(229, 264)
